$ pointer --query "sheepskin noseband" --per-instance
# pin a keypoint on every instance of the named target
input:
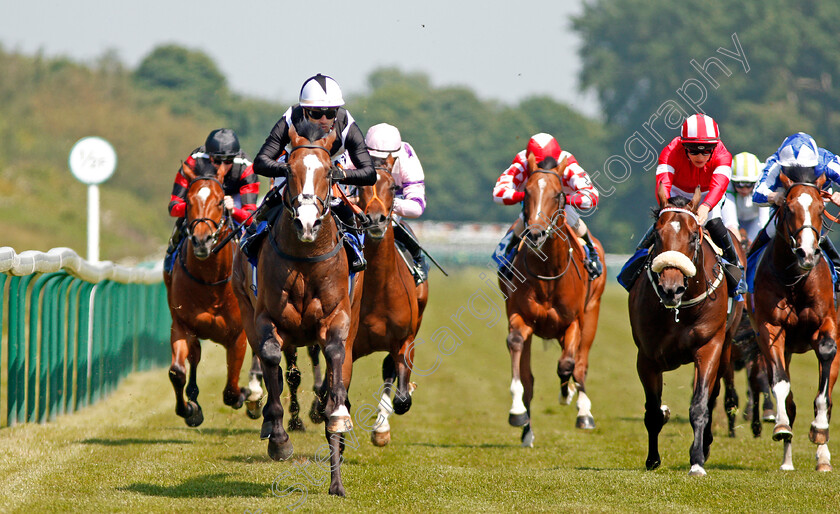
(673, 259)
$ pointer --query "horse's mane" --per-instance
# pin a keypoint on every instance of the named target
(309, 130)
(805, 174)
(549, 163)
(674, 201)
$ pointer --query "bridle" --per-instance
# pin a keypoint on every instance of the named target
(368, 223)
(556, 221)
(786, 211)
(321, 204)
(216, 226)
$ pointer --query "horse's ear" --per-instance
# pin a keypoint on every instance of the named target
(187, 172)
(662, 196)
(820, 181)
(561, 166)
(531, 162)
(329, 139)
(785, 181)
(293, 135)
(695, 200)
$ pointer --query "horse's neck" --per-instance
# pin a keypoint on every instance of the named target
(216, 267)
(380, 256)
(703, 278)
(782, 257)
(553, 256)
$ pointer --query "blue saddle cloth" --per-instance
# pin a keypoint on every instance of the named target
(641, 253)
(755, 258)
(501, 258)
(169, 263)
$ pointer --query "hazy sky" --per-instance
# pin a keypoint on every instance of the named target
(503, 50)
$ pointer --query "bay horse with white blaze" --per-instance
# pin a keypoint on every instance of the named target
(678, 315)
(555, 299)
(201, 299)
(301, 294)
(392, 305)
(795, 311)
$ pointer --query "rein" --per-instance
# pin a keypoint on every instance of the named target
(215, 225)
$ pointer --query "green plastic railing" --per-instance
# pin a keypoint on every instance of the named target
(73, 330)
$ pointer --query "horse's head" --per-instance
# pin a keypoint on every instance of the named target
(677, 245)
(205, 209)
(800, 217)
(377, 201)
(544, 199)
(308, 186)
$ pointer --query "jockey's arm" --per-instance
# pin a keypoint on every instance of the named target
(265, 163)
(249, 188)
(364, 173)
(412, 180)
(177, 202)
(585, 196)
(506, 188)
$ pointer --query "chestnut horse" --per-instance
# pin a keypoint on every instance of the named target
(678, 315)
(301, 294)
(795, 311)
(201, 299)
(554, 300)
(392, 305)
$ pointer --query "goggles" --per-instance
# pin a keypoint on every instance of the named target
(318, 113)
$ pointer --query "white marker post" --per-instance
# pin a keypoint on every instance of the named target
(92, 161)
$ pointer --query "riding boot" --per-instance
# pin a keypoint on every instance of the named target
(830, 251)
(761, 239)
(405, 236)
(355, 258)
(593, 262)
(508, 255)
(646, 239)
(174, 241)
(732, 266)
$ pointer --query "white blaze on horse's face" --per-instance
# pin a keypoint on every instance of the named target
(808, 240)
(203, 193)
(676, 226)
(308, 213)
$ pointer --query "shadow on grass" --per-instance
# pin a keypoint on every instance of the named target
(221, 431)
(676, 419)
(132, 440)
(205, 486)
(455, 445)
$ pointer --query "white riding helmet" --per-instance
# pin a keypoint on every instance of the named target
(382, 140)
(321, 91)
(746, 167)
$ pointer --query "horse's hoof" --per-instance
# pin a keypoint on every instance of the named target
(756, 428)
(782, 433)
(252, 409)
(315, 414)
(401, 406)
(824, 466)
(518, 420)
(380, 438)
(666, 414)
(696, 471)
(818, 435)
(585, 423)
(339, 424)
(280, 451)
(527, 437)
(337, 490)
(786, 467)
(196, 417)
(652, 464)
(296, 425)
(769, 416)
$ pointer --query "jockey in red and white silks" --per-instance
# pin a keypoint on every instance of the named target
(580, 193)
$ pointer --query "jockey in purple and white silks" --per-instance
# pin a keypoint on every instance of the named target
(383, 140)
(797, 150)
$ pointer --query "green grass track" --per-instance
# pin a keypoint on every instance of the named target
(453, 451)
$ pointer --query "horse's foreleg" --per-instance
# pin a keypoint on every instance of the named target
(402, 396)
(772, 342)
(381, 434)
(519, 336)
(196, 417)
(233, 395)
(178, 370)
(316, 410)
(826, 349)
(336, 443)
(255, 376)
(651, 379)
(706, 389)
(566, 365)
(337, 374)
(584, 420)
(279, 444)
(293, 381)
(730, 397)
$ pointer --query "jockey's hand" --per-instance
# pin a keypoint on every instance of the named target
(337, 174)
(776, 198)
(835, 198)
(229, 205)
(702, 213)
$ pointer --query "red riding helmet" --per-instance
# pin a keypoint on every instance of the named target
(543, 145)
(700, 129)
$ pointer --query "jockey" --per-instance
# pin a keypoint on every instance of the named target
(220, 150)
(697, 157)
(738, 209)
(320, 102)
(580, 194)
(383, 140)
(800, 150)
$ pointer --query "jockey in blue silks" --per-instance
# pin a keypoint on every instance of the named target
(801, 150)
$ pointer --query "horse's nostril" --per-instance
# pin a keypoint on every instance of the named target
(380, 218)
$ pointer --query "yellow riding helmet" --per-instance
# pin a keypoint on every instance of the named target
(746, 167)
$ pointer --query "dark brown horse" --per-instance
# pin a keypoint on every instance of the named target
(392, 305)
(794, 309)
(550, 296)
(678, 315)
(201, 298)
(301, 294)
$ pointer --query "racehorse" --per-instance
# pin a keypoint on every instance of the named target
(202, 302)
(554, 300)
(300, 294)
(392, 305)
(795, 311)
(679, 316)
